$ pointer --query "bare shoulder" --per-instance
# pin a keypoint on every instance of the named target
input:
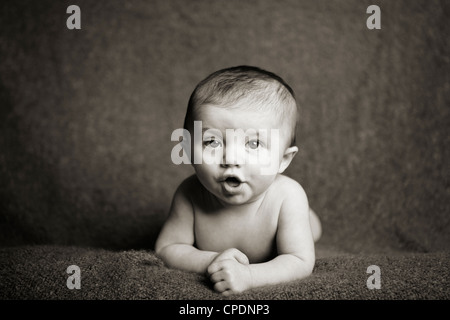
(182, 201)
(295, 207)
(292, 194)
(178, 227)
(188, 187)
(190, 182)
(288, 187)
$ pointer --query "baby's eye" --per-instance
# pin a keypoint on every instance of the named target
(253, 144)
(213, 143)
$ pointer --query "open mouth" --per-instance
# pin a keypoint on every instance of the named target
(233, 182)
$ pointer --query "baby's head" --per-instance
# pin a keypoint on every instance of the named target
(246, 88)
(248, 122)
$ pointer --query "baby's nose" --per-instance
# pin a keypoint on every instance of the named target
(233, 157)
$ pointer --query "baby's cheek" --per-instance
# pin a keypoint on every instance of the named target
(197, 154)
(212, 155)
(206, 155)
(261, 157)
(266, 161)
(261, 182)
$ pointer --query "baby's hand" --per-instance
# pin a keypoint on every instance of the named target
(233, 254)
(230, 272)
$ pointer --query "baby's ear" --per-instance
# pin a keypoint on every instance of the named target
(289, 154)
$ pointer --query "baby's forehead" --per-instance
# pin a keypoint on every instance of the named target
(264, 117)
(237, 108)
(218, 120)
(244, 106)
(245, 120)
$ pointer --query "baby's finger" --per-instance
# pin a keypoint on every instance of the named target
(217, 276)
(213, 268)
(221, 286)
(241, 257)
(227, 293)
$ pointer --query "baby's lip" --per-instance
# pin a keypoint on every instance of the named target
(231, 182)
(232, 176)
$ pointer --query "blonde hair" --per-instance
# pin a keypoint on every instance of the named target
(265, 89)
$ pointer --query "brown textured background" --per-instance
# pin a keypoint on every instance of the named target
(86, 115)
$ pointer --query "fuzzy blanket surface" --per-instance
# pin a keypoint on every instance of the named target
(86, 117)
(40, 273)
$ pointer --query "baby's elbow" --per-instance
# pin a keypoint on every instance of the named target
(159, 248)
(309, 269)
(305, 267)
(163, 253)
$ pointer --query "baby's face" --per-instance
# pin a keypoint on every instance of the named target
(241, 152)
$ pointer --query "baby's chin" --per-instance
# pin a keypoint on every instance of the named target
(235, 200)
(232, 201)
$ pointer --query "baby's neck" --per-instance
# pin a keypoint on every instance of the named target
(247, 206)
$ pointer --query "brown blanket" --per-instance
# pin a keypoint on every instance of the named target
(86, 118)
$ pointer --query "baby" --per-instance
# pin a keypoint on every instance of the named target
(239, 220)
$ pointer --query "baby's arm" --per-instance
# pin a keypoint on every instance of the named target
(295, 247)
(295, 244)
(175, 243)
